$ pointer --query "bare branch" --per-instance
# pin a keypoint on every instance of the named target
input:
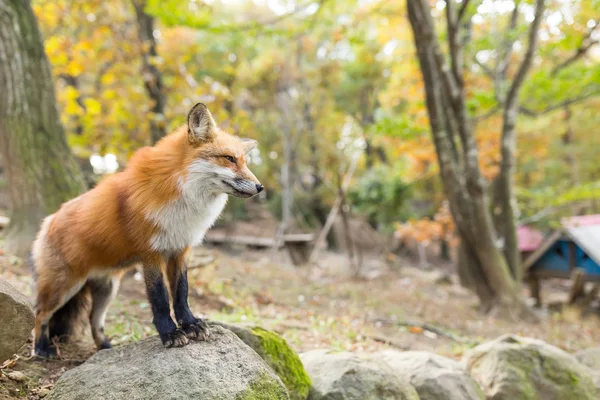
(490, 113)
(586, 43)
(512, 96)
(461, 11)
(536, 113)
(502, 67)
(454, 47)
(488, 71)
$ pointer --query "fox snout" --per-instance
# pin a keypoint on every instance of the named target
(245, 188)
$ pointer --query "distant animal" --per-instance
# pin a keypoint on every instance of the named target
(151, 213)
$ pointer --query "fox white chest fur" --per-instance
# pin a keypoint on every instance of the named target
(184, 222)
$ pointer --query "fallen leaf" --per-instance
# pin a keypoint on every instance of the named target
(16, 376)
(415, 329)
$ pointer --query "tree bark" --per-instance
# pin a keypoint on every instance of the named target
(41, 172)
(150, 74)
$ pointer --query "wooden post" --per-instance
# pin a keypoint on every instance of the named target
(535, 290)
(590, 296)
(577, 285)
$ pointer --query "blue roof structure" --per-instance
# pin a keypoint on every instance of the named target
(575, 245)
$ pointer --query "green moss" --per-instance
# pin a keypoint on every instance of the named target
(284, 361)
(263, 388)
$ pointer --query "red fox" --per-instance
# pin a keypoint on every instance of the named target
(163, 203)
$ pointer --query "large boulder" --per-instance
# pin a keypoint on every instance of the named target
(433, 376)
(590, 358)
(222, 367)
(513, 367)
(348, 376)
(278, 355)
(16, 316)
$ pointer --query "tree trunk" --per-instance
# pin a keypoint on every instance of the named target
(464, 186)
(40, 170)
(150, 74)
(505, 181)
(506, 220)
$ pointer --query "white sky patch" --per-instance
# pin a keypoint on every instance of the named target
(342, 51)
(321, 53)
(254, 157)
(495, 7)
(517, 46)
(344, 19)
(484, 56)
(389, 47)
(104, 165)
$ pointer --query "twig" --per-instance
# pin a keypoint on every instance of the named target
(388, 341)
(430, 328)
(334, 210)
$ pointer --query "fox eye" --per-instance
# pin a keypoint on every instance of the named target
(230, 159)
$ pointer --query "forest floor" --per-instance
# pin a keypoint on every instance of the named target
(312, 307)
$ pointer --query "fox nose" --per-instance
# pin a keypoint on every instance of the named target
(259, 188)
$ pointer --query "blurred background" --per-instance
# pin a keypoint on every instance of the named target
(423, 160)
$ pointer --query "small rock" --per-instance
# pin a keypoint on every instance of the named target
(347, 376)
(435, 377)
(17, 319)
(222, 367)
(43, 393)
(513, 367)
(16, 376)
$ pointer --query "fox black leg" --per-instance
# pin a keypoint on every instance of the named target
(103, 291)
(194, 328)
(158, 296)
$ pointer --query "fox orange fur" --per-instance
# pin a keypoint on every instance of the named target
(163, 203)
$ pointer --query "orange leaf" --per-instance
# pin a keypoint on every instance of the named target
(415, 329)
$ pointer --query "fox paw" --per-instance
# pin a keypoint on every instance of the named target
(177, 338)
(48, 352)
(197, 330)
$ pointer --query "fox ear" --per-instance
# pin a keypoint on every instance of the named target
(201, 125)
(249, 145)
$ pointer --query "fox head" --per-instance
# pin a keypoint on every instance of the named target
(217, 159)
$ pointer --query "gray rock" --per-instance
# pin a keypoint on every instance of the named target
(17, 319)
(513, 367)
(590, 358)
(277, 354)
(348, 376)
(223, 367)
(435, 377)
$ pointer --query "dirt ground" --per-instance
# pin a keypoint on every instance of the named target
(321, 306)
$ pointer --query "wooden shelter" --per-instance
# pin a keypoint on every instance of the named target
(572, 251)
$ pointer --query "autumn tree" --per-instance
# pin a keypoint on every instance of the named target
(494, 273)
(40, 169)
